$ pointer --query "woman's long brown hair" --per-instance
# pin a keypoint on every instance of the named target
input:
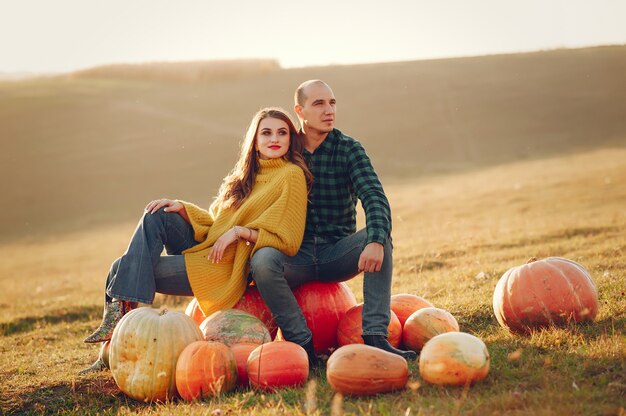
(239, 182)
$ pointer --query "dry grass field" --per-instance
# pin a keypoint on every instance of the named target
(515, 172)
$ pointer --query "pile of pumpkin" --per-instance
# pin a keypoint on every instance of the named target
(155, 355)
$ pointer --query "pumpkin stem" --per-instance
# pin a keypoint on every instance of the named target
(532, 259)
(163, 311)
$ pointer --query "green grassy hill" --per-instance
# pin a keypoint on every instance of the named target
(93, 147)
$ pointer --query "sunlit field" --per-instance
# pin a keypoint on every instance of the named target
(486, 202)
(454, 237)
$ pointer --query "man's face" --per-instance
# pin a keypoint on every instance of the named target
(319, 109)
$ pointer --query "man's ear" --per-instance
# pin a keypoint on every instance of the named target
(298, 109)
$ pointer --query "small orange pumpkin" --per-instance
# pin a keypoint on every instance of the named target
(404, 304)
(350, 328)
(360, 370)
(552, 291)
(241, 352)
(205, 369)
(424, 324)
(278, 364)
(454, 358)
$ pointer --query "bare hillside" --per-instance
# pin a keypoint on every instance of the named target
(92, 149)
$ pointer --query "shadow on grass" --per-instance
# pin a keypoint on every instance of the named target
(560, 235)
(89, 396)
(29, 323)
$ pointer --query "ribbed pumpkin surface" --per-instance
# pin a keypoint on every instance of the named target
(552, 291)
(424, 324)
(360, 370)
(454, 358)
(232, 326)
(404, 304)
(144, 349)
(350, 328)
(278, 364)
(205, 369)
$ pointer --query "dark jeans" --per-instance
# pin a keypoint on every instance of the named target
(142, 270)
(276, 275)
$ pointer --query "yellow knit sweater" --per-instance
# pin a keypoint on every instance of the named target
(276, 207)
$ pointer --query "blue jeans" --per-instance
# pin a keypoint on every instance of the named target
(276, 275)
(142, 271)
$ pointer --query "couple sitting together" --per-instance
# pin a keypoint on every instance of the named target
(285, 215)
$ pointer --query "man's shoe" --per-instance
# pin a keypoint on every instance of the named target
(310, 352)
(379, 341)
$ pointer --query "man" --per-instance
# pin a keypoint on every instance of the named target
(331, 249)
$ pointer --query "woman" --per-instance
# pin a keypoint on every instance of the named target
(261, 203)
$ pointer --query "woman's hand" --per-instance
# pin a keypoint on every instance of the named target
(157, 204)
(221, 244)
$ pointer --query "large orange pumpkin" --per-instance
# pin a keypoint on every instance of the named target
(242, 352)
(323, 305)
(144, 349)
(232, 326)
(404, 304)
(278, 364)
(424, 324)
(350, 328)
(360, 370)
(205, 369)
(552, 291)
(454, 358)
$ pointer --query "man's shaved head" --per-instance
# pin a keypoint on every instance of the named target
(300, 95)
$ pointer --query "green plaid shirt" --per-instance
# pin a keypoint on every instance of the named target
(343, 172)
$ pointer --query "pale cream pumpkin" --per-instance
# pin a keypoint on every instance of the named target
(454, 358)
(144, 349)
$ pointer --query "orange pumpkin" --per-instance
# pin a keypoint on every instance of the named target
(232, 326)
(424, 324)
(205, 369)
(323, 305)
(361, 370)
(144, 349)
(552, 291)
(404, 304)
(242, 352)
(278, 364)
(350, 328)
(454, 358)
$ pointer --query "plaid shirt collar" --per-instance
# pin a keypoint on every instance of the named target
(328, 143)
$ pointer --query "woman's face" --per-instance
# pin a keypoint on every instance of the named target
(272, 138)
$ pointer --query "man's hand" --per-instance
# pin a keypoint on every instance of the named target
(371, 258)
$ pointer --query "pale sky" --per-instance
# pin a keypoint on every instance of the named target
(64, 35)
